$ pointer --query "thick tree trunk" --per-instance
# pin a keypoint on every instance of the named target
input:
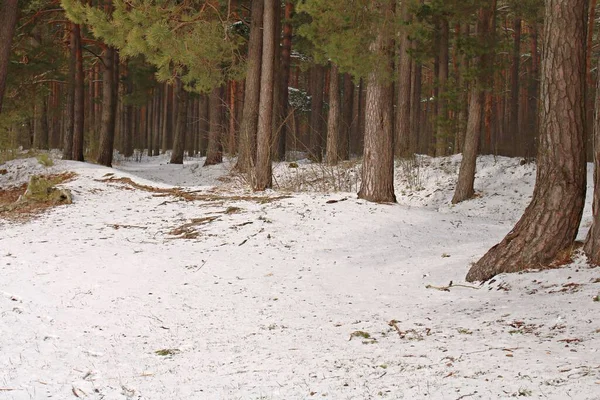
(109, 109)
(249, 125)
(214, 151)
(180, 103)
(333, 119)
(79, 100)
(9, 10)
(466, 177)
(592, 242)
(263, 174)
(317, 136)
(402, 146)
(544, 235)
(378, 156)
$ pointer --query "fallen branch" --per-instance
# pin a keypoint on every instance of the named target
(450, 285)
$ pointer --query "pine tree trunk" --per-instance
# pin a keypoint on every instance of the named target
(546, 232)
(214, 152)
(415, 107)
(166, 120)
(263, 173)
(109, 109)
(40, 128)
(286, 55)
(441, 139)
(9, 10)
(466, 177)
(204, 124)
(514, 90)
(333, 119)
(79, 99)
(70, 103)
(347, 117)
(317, 136)
(592, 241)
(402, 146)
(130, 120)
(180, 104)
(378, 156)
(249, 125)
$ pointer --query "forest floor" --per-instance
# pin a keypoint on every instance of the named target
(175, 282)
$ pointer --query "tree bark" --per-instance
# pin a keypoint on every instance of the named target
(70, 103)
(180, 103)
(286, 55)
(9, 10)
(204, 127)
(109, 109)
(263, 173)
(214, 151)
(40, 125)
(466, 176)
(333, 118)
(378, 156)
(317, 136)
(545, 234)
(347, 117)
(441, 139)
(514, 89)
(249, 125)
(79, 99)
(402, 146)
(592, 242)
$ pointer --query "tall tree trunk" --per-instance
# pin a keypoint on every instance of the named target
(180, 103)
(109, 109)
(466, 177)
(546, 231)
(79, 99)
(402, 146)
(9, 10)
(263, 173)
(347, 117)
(333, 119)
(441, 139)
(515, 90)
(286, 55)
(415, 107)
(214, 151)
(40, 127)
(166, 120)
(378, 157)
(128, 134)
(70, 103)
(249, 125)
(203, 120)
(592, 241)
(317, 136)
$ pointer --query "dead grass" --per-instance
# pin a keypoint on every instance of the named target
(14, 210)
(190, 196)
(188, 230)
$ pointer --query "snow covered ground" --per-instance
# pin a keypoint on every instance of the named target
(143, 292)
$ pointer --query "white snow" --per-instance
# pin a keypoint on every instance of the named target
(266, 302)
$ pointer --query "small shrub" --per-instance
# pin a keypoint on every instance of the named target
(45, 160)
